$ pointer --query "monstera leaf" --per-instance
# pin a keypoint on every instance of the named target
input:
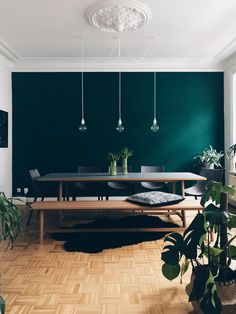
(213, 192)
(215, 216)
(172, 252)
(194, 235)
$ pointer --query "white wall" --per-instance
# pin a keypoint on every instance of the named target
(6, 105)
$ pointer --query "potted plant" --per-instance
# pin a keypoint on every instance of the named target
(10, 221)
(210, 158)
(113, 158)
(125, 154)
(231, 152)
(213, 281)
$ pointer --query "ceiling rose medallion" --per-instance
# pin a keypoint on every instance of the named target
(118, 15)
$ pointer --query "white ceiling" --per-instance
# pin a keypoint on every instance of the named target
(48, 31)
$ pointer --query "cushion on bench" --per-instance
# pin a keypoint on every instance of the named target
(155, 198)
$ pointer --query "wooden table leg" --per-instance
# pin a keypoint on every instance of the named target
(174, 187)
(41, 226)
(182, 188)
(60, 194)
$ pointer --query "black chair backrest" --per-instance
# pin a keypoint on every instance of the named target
(88, 185)
(34, 175)
(212, 174)
(152, 168)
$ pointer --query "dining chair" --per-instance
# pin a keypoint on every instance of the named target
(89, 188)
(40, 189)
(119, 186)
(153, 185)
(199, 187)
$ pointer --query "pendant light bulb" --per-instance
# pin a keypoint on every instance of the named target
(120, 128)
(82, 127)
(155, 126)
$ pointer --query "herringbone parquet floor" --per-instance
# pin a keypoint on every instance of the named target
(45, 279)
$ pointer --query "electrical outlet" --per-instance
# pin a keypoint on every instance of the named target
(18, 190)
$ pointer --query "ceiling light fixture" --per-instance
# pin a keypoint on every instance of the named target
(120, 128)
(82, 127)
(155, 126)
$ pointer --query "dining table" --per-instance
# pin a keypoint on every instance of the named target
(104, 177)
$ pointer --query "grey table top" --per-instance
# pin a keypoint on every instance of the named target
(132, 176)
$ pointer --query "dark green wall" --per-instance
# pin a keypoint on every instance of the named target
(46, 117)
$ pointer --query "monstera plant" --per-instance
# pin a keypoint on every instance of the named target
(10, 221)
(210, 260)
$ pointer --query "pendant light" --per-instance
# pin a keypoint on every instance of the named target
(155, 126)
(120, 128)
(82, 127)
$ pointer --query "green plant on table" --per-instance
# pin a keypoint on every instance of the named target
(125, 154)
(210, 156)
(210, 261)
(11, 225)
(113, 158)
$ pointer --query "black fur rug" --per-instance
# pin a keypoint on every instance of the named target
(97, 242)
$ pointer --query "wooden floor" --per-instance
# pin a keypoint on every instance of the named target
(128, 280)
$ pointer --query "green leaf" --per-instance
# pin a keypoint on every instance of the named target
(210, 303)
(2, 305)
(214, 215)
(170, 271)
(204, 292)
(172, 252)
(213, 191)
(232, 251)
(183, 269)
(193, 236)
(214, 251)
(232, 221)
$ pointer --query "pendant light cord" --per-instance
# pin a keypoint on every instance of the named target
(82, 77)
(119, 95)
(154, 94)
(119, 78)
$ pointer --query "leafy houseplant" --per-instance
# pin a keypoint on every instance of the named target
(210, 157)
(231, 152)
(113, 158)
(211, 271)
(125, 154)
(10, 221)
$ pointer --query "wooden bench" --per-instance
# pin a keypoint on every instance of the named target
(115, 206)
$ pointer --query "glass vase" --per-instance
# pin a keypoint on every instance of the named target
(125, 165)
(113, 167)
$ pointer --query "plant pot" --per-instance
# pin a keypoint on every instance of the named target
(113, 167)
(208, 165)
(125, 165)
(226, 293)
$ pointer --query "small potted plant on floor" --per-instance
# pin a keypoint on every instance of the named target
(213, 281)
(10, 221)
(125, 154)
(210, 158)
(113, 158)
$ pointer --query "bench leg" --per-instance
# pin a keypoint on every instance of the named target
(184, 218)
(41, 226)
